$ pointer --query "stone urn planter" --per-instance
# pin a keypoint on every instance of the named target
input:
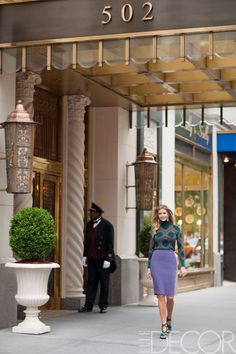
(32, 281)
(32, 239)
(147, 297)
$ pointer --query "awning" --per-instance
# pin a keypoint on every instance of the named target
(194, 70)
(226, 142)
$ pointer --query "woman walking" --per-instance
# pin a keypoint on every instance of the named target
(162, 263)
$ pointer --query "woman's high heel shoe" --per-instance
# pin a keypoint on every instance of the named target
(169, 326)
(164, 333)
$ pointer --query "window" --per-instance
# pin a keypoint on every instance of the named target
(192, 189)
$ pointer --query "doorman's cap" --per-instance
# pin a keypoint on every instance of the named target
(96, 208)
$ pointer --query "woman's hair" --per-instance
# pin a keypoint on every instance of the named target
(156, 220)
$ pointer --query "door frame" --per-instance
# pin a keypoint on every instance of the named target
(52, 171)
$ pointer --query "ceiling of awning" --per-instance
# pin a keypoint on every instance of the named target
(185, 70)
(175, 83)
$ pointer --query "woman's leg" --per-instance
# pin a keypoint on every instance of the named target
(162, 307)
(162, 310)
(170, 306)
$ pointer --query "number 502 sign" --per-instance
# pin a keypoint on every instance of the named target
(127, 13)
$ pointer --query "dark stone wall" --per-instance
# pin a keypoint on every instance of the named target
(230, 222)
(76, 18)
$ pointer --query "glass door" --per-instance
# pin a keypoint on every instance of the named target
(46, 195)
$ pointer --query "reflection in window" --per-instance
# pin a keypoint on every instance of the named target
(36, 58)
(196, 46)
(87, 54)
(224, 44)
(168, 48)
(141, 50)
(61, 56)
(49, 192)
(114, 52)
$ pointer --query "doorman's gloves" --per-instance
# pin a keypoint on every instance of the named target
(84, 261)
(106, 264)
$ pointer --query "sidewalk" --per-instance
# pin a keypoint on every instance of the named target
(134, 329)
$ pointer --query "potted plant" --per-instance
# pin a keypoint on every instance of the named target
(32, 239)
(144, 237)
(146, 285)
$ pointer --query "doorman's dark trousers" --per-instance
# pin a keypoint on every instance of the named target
(96, 275)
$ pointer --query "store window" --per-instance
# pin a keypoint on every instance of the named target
(192, 195)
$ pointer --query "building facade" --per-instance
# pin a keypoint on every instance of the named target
(103, 82)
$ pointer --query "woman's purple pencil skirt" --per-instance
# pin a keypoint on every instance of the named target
(164, 272)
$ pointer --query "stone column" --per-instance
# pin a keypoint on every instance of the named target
(73, 200)
(25, 83)
(167, 164)
(215, 211)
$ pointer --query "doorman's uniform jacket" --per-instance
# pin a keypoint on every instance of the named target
(100, 240)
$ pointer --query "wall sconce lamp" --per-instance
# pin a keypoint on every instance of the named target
(145, 168)
(19, 141)
(226, 159)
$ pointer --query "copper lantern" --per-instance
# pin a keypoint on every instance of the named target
(19, 140)
(145, 180)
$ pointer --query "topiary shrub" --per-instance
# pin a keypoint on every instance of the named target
(144, 240)
(32, 234)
